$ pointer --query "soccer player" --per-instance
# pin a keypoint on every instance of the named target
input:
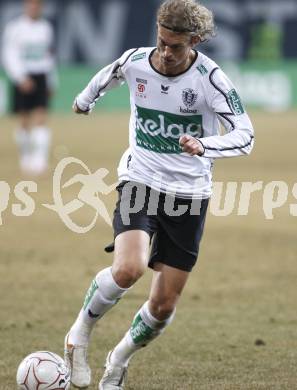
(29, 63)
(179, 97)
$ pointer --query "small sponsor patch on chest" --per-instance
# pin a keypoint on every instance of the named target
(139, 56)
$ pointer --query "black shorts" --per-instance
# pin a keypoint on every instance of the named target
(39, 98)
(175, 238)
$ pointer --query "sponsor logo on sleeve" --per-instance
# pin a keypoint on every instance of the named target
(235, 102)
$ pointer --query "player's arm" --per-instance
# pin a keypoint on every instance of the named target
(106, 79)
(11, 59)
(77, 110)
(52, 77)
(225, 102)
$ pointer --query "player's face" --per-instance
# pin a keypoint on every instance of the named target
(174, 50)
(33, 8)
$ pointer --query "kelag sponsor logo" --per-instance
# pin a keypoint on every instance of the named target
(160, 131)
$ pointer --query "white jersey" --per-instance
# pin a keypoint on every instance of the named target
(27, 48)
(163, 108)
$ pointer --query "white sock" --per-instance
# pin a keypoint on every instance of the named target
(144, 329)
(23, 140)
(101, 296)
(40, 140)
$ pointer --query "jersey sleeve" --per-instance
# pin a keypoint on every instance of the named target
(225, 102)
(11, 54)
(106, 79)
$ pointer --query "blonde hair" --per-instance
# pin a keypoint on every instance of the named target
(187, 16)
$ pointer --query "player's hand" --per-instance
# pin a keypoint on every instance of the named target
(27, 86)
(77, 110)
(191, 145)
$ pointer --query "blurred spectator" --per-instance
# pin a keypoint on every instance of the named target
(29, 63)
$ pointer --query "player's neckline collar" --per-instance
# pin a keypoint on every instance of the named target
(173, 75)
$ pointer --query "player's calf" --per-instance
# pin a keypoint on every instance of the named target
(102, 294)
(144, 329)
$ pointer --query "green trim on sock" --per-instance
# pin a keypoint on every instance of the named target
(140, 332)
(91, 291)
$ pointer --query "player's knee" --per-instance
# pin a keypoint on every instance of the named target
(125, 275)
(162, 308)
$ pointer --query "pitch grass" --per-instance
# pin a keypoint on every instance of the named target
(236, 324)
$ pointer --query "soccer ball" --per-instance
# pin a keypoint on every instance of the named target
(43, 370)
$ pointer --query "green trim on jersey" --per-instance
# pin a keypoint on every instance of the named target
(35, 52)
(160, 131)
(202, 69)
(139, 56)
